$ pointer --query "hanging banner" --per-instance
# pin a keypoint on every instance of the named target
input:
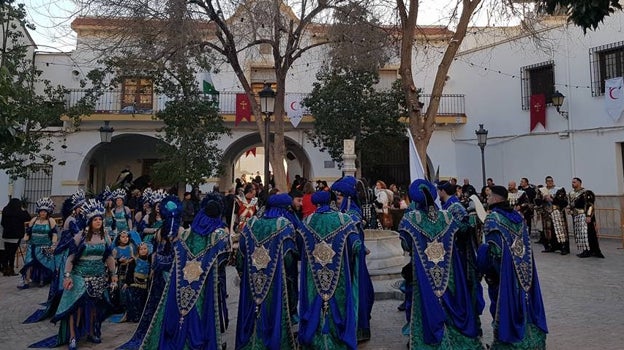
(243, 109)
(538, 110)
(614, 98)
(292, 106)
(252, 151)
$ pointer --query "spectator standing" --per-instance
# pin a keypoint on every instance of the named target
(188, 210)
(13, 218)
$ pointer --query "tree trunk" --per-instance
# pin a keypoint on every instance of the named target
(278, 148)
(422, 126)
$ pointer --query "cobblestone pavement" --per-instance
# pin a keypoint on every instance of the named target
(584, 302)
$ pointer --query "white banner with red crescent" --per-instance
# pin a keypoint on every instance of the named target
(293, 108)
(614, 98)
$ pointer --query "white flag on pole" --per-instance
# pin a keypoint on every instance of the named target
(614, 98)
(417, 171)
(293, 108)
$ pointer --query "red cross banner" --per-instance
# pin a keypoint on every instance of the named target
(538, 110)
(252, 151)
(243, 109)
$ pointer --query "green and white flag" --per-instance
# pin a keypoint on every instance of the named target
(208, 87)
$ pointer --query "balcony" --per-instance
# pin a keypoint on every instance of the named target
(109, 107)
(452, 109)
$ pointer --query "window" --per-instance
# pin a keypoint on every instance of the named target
(537, 79)
(606, 62)
(137, 95)
(387, 77)
(38, 184)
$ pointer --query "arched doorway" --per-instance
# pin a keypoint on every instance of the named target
(104, 163)
(297, 159)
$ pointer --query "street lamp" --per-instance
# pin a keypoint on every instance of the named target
(267, 103)
(482, 141)
(106, 132)
(557, 101)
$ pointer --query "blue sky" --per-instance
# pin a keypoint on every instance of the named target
(52, 19)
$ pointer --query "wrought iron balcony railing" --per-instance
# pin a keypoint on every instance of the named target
(111, 102)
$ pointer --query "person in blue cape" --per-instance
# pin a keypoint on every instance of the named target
(266, 247)
(466, 243)
(347, 200)
(330, 245)
(162, 260)
(73, 222)
(191, 313)
(439, 309)
(41, 237)
(506, 260)
(83, 304)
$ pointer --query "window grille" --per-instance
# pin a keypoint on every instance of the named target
(38, 184)
(606, 62)
(537, 79)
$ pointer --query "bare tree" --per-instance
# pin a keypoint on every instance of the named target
(422, 125)
(234, 30)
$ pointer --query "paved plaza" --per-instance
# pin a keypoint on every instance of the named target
(584, 301)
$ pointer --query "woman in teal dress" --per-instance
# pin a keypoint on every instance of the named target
(121, 213)
(86, 280)
(109, 218)
(41, 237)
(153, 221)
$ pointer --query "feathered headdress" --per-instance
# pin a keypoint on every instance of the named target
(158, 196)
(46, 204)
(147, 196)
(119, 193)
(105, 195)
(92, 208)
(171, 211)
(78, 198)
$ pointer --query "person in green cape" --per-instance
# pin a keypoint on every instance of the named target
(328, 307)
(191, 313)
(266, 248)
(439, 306)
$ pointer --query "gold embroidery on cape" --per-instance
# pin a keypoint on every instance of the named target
(259, 280)
(260, 258)
(187, 295)
(435, 252)
(326, 276)
(192, 271)
(323, 253)
(437, 275)
(517, 247)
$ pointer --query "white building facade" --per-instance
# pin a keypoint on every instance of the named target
(489, 83)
